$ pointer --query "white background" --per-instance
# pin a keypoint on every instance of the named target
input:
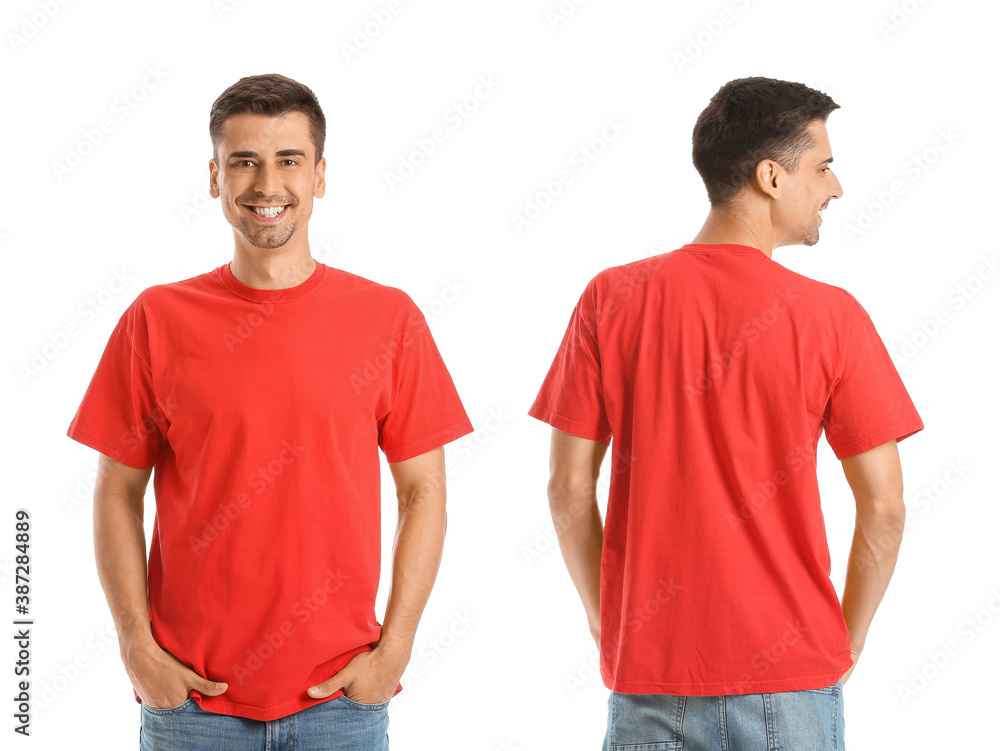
(521, 674)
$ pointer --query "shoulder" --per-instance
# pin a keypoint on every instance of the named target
(165, 299)
(164, 293)
(614, 279)
(368, 292)
(830, 299)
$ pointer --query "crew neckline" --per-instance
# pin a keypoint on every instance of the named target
(272, 295)
(734, 248)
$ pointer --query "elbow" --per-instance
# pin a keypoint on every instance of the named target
(886, 512)
(567, 494)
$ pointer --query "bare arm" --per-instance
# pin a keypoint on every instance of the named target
(574, 467)
(876, 480)
(120, 548)
(372, 677)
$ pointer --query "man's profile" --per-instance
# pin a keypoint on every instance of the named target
(261, 393)
(714, 370)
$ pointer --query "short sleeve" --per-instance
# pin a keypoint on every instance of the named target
(119, 415)
(425, 411)
(572, 397)
(869, 405)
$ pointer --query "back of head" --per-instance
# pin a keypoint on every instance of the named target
(750, 119)
(270, 95)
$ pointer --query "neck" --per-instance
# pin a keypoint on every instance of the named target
(725, 225)
(272, 268)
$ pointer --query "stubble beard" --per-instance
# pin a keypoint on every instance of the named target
(267, 237)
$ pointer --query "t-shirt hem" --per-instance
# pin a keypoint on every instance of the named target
(898, 431)
(424, 445)
(722, 688)
(106, 447)
(253, 712)
(569, 425)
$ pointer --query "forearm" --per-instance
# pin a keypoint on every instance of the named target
(120, 550)
(417, 551)
(872, 560)
(580, 532)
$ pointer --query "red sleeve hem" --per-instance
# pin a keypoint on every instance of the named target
(424, 445)
(568, 425)
(106, 447)
(899, 431)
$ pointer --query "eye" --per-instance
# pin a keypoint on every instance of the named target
(290, 160)
(242, 162)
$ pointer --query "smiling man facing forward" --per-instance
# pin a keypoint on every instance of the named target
(261, 393)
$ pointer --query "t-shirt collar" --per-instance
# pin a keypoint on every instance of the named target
(272, 295)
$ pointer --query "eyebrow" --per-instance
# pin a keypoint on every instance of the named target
(254, 154)
(826, 161)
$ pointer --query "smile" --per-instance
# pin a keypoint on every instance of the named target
(266, 213)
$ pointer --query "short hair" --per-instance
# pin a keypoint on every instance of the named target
(751, 119)
(270, 95)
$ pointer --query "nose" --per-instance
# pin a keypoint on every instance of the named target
(838, 190)
(266, 181)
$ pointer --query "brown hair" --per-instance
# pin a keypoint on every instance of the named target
(271, 95)
(751, 119)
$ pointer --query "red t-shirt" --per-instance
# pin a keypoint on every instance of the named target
(715, 369)
(262, 412)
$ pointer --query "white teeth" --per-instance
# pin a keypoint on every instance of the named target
(270, 212)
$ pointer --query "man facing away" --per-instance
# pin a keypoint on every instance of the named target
(715, 369)
(261, 393)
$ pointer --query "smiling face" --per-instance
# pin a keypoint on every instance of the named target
(266, 174)
(806, 192)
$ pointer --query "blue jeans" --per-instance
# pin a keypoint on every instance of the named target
(339, 724)
(810, 720)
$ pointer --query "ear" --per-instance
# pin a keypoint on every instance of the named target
(767, 174)
(319, 184)
(213, 178)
